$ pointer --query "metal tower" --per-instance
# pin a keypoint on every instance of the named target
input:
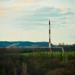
(49, 35)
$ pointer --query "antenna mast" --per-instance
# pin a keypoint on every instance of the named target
(49, 35)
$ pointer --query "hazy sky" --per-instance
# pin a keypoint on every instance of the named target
(27, 20)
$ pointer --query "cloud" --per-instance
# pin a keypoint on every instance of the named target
(52, 12)
(34, 18)
(2, 11)
(28, 19)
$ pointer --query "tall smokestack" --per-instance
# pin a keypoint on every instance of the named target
(49, 35)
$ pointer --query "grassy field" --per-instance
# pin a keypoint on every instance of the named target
(41, 63)
(66, 56)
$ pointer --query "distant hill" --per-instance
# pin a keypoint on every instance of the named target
(23, 44)
(4, 44)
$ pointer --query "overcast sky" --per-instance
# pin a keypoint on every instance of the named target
(27, 20)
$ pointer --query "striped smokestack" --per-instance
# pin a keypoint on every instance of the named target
(49, 36)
